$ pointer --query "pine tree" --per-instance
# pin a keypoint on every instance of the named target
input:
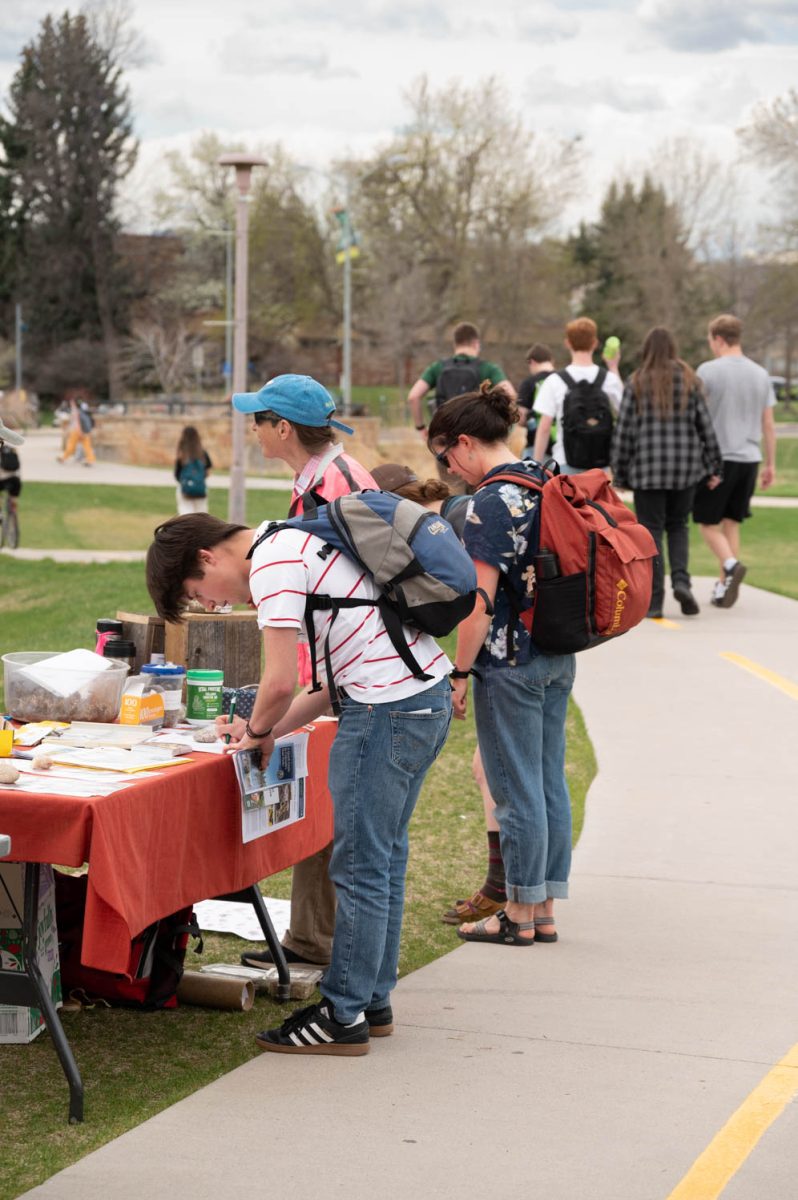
(68, 144)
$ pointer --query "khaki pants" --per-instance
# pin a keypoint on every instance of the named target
(310, 933)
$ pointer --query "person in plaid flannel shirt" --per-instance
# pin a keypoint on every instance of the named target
(664, 444)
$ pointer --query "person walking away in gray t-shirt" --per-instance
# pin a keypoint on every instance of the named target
(740, 399)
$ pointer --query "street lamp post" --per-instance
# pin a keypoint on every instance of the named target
(243, 163)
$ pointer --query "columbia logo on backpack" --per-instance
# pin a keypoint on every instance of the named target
(424, 575)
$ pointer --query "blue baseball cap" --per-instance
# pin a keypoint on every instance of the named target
(297, 398)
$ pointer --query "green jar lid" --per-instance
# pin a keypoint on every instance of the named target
(201, 676)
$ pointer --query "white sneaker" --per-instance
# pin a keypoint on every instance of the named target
(718, 592)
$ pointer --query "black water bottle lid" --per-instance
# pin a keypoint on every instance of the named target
(119, 648)
(109, 625)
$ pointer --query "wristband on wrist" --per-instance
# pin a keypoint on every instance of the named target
(455, 674)
(257, 737)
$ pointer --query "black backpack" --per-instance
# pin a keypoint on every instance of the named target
(457, 378)
(586, 421)
(9, 459)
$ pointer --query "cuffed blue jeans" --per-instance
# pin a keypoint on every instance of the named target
(378, 762)
(520, 715)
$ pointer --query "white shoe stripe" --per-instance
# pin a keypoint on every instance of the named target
(296, 1040)
(320, 1033)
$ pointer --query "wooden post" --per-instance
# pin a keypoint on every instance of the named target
(146, 632)
(229, 642)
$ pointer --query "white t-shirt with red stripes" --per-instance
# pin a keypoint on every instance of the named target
(287, 567)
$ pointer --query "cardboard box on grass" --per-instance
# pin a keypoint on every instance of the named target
(17, 1023)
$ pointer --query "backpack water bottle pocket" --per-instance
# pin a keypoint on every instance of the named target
(558, 623)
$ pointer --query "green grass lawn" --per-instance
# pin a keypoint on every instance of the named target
(769, 550)
(73, 516)
(786, 469)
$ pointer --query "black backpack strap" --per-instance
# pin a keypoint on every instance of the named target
(602, 375)
(340, 463)
(567, 379)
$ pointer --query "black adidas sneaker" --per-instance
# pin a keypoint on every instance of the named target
(314, 1030)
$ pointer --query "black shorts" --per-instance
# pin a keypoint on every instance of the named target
(731, 498)
(12, 484)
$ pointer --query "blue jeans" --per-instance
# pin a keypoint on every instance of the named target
(378, 762)
(520, 715)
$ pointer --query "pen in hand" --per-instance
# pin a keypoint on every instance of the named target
(230, 716)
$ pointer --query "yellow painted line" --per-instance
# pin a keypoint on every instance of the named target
(665, 623)
(727, 1152)
(777, 681)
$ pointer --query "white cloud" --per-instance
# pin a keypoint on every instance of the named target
(705, 26)
(543, 89)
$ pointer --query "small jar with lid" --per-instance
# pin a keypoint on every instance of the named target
(167, 678)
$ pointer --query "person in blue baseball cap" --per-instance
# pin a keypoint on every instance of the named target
(292, 419)
(297, 398)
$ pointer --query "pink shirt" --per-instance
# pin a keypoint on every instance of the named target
(321, 474)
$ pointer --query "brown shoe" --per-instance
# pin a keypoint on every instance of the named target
(475, 909)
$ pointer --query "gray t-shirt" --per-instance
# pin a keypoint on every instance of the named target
(738, 391)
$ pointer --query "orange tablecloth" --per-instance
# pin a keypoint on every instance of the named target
(163, 843)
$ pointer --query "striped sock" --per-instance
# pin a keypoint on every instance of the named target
(494, 884)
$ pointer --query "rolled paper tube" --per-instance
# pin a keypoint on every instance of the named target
(216, 991)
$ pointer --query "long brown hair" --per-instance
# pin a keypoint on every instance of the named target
(654, 380)
(190, 445)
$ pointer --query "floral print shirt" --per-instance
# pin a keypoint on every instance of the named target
(502, 529)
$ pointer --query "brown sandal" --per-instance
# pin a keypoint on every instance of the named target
(475, 909)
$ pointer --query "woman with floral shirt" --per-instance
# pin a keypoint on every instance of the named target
(520, 694)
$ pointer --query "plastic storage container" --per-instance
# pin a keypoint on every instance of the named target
(36, 692)
(167, 678)
(203, 696)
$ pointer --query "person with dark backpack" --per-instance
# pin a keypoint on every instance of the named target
(465, 371)
(582, 400)
(192, 466)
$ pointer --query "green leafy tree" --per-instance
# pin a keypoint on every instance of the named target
(68, 144)
(637, 269)
(289, 258)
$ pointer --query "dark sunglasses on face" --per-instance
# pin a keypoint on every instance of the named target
(442, 456)
(262, 418)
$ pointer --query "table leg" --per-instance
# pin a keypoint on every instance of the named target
(40, 994)
(252, 895)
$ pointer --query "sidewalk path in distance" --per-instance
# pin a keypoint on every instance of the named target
(598, 1068)
(39, 465)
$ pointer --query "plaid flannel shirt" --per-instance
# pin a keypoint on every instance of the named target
(674, 453)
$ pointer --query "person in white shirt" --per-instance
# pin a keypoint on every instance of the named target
(581, 341)
(392, 726)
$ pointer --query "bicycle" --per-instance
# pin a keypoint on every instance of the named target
(9, 522)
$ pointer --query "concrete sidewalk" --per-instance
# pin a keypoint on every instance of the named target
(39, 465)
(595, 1069)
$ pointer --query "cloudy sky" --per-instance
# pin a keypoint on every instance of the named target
(327, 79)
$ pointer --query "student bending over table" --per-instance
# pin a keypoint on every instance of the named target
(392, 726)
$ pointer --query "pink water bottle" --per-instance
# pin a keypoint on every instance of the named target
(107, 628)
